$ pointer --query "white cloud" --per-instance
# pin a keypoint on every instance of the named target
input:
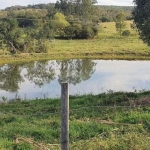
(8, 3)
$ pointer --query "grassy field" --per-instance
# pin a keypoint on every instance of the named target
(112, 121)
(107, 45)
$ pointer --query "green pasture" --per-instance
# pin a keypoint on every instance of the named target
(107, 45)
(106, 121)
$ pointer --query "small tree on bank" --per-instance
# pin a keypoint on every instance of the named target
(120, 23)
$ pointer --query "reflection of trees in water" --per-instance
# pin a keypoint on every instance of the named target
(10, 77)
(75, 71)
(40, 72)
(43, 72)
(72, 71)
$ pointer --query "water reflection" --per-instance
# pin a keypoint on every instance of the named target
(40, 73)
(75, 71)
(10, 77)
(13, 78)
(42, 79)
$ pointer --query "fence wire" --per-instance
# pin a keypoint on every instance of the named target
(3, 113)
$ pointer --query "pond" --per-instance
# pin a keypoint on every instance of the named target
(41, 79)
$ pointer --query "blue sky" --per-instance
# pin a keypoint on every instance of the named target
(8, 3)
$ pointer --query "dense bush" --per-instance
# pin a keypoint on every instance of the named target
(73, 30)
(37, 46)
(141, 16)
(105, 19)
(88, 32)
(126, 33)
(78, 31)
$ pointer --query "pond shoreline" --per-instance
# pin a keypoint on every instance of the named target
(132, 99)
(40, 79)
(106, 45)
(29, 57)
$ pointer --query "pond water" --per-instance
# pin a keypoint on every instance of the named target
(42, 79)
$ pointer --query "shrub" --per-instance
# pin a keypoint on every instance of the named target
(73, 30)
(105, 19)
(88, 32)
(126, 33)
(37, 46)
(78, 31)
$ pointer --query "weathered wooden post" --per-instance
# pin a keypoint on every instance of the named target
(64, 116)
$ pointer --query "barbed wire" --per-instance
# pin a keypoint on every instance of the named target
(71, 110)
(81, 108)
(114, 106)
(85, 107)
(40, 114)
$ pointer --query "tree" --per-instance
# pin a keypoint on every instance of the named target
(65, 6)
(51, 11)
(81, 31)
(141, 16)
(83, 9)
(11, 35)
(26, 18)
(88, 9)
(60, 23)
(120, 23)
(88, 32)
(73, 30)
(47, 31)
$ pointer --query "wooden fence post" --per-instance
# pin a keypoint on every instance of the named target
(64, 116)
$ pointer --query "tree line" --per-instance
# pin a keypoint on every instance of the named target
(103, 13)
(30, 28)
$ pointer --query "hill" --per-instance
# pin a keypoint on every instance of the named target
(104, 13)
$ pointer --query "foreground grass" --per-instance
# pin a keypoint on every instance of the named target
(105, 121)
(107, 45)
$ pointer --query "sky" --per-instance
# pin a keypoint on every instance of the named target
(8, 3)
